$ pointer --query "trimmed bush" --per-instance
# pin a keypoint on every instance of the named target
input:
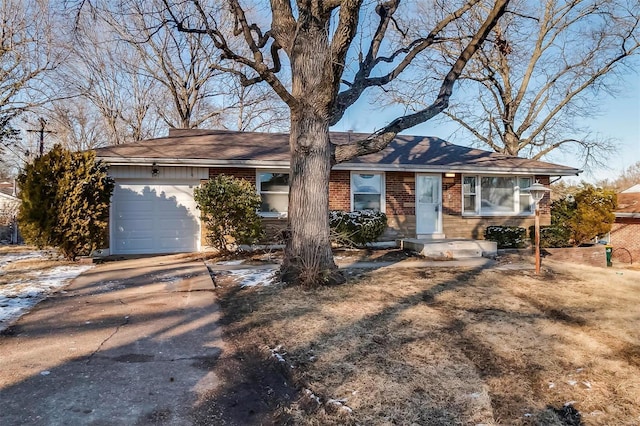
(506, 236)
(551, 236)
(65, 202)
(229, 208)
(357, 228)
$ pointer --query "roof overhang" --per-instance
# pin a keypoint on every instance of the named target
(9, 197)
(270, 164)
(628, 215)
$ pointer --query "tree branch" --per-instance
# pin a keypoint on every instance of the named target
(380, 139)
(362, 79)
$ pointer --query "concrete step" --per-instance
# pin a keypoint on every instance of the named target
(451, 249)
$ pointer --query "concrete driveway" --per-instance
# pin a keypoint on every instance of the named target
(128, 342)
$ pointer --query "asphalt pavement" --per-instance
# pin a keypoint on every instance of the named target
(130, 342)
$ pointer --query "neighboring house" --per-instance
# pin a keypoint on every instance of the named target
(9, 204)
(625, 232)
(428, 188)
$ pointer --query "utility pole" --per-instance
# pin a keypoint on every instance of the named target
(42, 131)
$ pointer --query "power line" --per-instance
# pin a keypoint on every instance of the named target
(42, 131)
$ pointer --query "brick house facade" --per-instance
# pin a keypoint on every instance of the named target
(427, 187)
(625, 232)
(400, 201)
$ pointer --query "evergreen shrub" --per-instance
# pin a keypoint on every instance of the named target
(506, 236)
(65, 202)
(588, 214)
(356, 228)
(229, 208)
(551, 236)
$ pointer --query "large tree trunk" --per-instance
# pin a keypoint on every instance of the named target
(308, 258)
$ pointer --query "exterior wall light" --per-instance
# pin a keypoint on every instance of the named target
(155, 171)
(537, 191)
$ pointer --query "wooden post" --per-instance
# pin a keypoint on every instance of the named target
(537, 226)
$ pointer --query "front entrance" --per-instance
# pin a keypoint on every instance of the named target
(428, 206)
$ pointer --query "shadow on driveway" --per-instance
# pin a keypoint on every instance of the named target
(130, 342)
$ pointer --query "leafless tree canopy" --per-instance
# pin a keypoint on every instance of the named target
(103, 72)
(27, 56)
(547, 64)
(259, 42)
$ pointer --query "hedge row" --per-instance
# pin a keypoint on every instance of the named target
(515, 236)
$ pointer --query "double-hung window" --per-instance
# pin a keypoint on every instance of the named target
(273, 188)
(367, 191)
(496, 195)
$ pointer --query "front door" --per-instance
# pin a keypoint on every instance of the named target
(428, 205)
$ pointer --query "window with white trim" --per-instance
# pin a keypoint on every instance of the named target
(526, 202)
(469, 194)
(496, 195)
(367, 191)
(273, 188)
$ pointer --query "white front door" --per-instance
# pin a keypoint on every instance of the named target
(428, 206)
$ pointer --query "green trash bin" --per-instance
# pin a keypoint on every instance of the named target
(609, 251)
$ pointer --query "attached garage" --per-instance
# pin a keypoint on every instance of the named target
(153, 216)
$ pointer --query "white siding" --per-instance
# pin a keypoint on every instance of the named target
(154, 217)
(165, 173)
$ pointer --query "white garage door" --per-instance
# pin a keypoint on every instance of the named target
(158, 217)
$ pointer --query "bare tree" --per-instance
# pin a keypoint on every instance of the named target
(547, 65)
(106, 72)
(77, 125)
(27, 53)
(252, 108)
(628, 178)
(314, 39)
(178, 62)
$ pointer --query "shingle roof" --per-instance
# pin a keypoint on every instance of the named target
(6, 187)
(628, 202)
(219, 147)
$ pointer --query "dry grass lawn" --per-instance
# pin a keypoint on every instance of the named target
(451, 346)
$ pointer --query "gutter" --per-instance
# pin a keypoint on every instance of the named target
(269, 164)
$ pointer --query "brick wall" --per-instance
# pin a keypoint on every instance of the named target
(545, 203)
(400, 204)
(473, 227)
(400, 197)
(238, 172)
(625, 234)
(452, 195)
(340, 190)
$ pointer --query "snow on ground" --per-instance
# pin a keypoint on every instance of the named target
(246, 275)
(254, 277)
(13, 257)
(231, 262)
(16, 298)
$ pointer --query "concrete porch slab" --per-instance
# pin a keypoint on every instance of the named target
(450, 248)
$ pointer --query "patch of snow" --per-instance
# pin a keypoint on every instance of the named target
(13, 257)
(18, 297)
(278, 353)
(312, 396)
(254, 277)
(231, 262)
(340, 404)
